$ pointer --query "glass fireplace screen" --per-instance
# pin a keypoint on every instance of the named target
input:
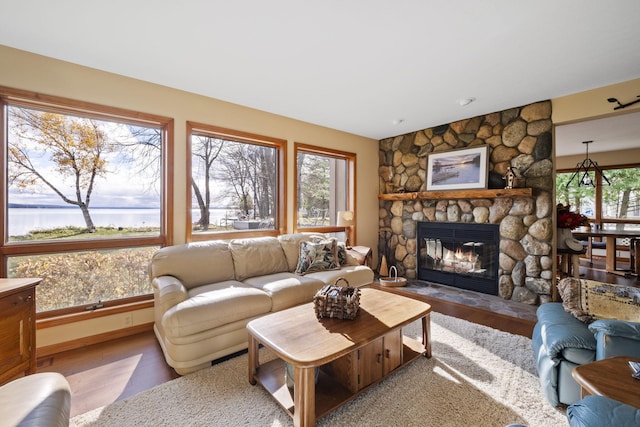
(462, 255)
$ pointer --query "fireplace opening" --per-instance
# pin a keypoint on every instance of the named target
(460, 255)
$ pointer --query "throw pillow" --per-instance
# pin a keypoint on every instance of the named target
(570, 290)
(342, 254)
(318, 256)
(609, 301)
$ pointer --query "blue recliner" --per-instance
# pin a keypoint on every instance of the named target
(561, 342)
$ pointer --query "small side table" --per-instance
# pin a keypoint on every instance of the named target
(609, 378)
(362, 254)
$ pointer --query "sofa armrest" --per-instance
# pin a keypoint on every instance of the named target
(559, 330)
(616, 338)
(168, 291)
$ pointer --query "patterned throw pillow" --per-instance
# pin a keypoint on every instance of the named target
(570, 290)
(343, 257)
(609, 301)
(589, 300)
(318, 256)
(342, 254)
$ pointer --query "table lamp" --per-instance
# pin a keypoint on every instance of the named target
(346, 220)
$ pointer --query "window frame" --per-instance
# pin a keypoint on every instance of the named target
(350, 174)
(280, 145)
(61, 105)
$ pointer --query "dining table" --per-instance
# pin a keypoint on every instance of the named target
(610, 237)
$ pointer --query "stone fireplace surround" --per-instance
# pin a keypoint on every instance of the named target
(518, 137)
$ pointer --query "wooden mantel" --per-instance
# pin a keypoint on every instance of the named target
(459, 194)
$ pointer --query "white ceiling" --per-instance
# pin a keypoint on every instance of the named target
(613, 133)
(360, 66)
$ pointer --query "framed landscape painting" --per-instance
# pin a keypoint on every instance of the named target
(459, 169)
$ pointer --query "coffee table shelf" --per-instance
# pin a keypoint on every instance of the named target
(330, 394)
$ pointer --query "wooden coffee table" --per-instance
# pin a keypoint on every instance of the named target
(350, 355)
(610, 378)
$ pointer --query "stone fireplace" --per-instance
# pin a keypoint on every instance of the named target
(519, 138)
(460, 255)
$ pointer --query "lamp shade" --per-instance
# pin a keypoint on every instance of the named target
(345, 219)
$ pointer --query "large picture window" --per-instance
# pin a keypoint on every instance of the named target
(615, 206)
(324, 186)
(85, 198)
(237, 183)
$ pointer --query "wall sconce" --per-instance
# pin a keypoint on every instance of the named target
(582, 171)
(346, 220)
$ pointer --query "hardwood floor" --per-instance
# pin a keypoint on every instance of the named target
(597, 272)
(104, 373)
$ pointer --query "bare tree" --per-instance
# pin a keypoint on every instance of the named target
(76, 146)
(207, 150)
(143, 149)
(237, 173)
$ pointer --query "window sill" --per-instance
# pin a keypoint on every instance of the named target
(64, 319)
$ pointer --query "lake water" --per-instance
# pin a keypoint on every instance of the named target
(462, 174)
(23, 220)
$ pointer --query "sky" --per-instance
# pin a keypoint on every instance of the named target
(122, 186)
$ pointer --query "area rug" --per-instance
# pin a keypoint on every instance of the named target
(478, 376)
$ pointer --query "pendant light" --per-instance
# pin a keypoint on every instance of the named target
(582, 171)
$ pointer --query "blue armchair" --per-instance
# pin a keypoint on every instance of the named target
(561, 342)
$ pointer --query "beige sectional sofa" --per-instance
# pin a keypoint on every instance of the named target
(205, 293)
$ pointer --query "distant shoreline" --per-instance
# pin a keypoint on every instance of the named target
(26, 206)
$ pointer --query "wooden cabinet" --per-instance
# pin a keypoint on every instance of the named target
(17, 328)
(368, 364)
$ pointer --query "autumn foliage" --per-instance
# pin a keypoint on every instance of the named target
(84, 278)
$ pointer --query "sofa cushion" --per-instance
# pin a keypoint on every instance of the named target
(257, 257)
(194, 264)
(356, 275)
(286, 289)
(291, 246)
(210, 306)
(318, 256)
(579, 356)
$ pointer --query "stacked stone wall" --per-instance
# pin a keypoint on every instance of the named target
(520, 138)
